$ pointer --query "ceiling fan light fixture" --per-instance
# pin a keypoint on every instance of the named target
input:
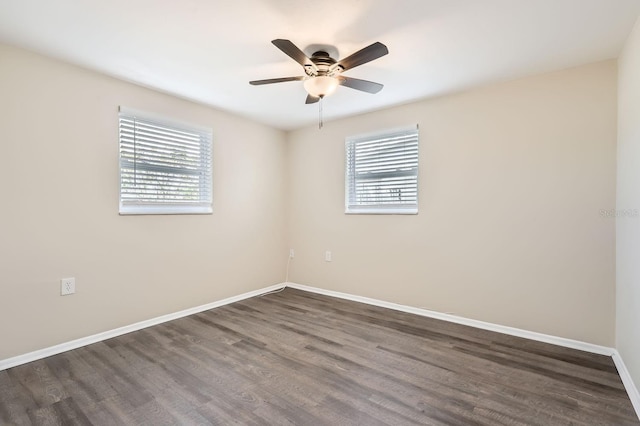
(321, 86)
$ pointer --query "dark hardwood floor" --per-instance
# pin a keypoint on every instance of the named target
(300, 358)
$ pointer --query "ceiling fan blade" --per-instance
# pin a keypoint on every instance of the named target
(294, 52)
(368, 54)
(275, 80)
(363, 85)
(311, 99)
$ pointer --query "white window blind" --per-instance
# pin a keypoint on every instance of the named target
(382, 173)
(165, 166)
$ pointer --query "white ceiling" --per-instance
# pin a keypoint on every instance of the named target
(208, 50)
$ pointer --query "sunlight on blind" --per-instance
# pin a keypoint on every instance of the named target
(165, 167)
(382, 173)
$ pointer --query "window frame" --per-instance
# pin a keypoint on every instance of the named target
(351, 204)
(204, 204)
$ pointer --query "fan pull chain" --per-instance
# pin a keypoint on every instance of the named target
(320, 121)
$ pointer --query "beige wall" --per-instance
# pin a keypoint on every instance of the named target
(512, 182)
(513, 178)
(628, 198)
(59, 215)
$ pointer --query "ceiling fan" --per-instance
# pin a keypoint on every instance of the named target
(323, 74)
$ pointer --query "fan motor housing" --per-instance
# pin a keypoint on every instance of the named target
(324, 63)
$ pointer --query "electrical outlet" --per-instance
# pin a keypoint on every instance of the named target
(67, 286)
(291, 253)
(327, 256)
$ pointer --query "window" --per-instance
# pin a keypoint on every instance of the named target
(382, 173)
(165, 166)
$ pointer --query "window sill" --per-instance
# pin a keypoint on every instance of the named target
(383, 211)
(136, 211)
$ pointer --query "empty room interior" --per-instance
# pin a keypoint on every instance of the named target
(340, 212)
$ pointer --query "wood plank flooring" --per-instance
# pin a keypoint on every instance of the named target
(301, 358)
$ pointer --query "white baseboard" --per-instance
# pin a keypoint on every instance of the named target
(629, 385)
(546, 338)
(74, 344)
